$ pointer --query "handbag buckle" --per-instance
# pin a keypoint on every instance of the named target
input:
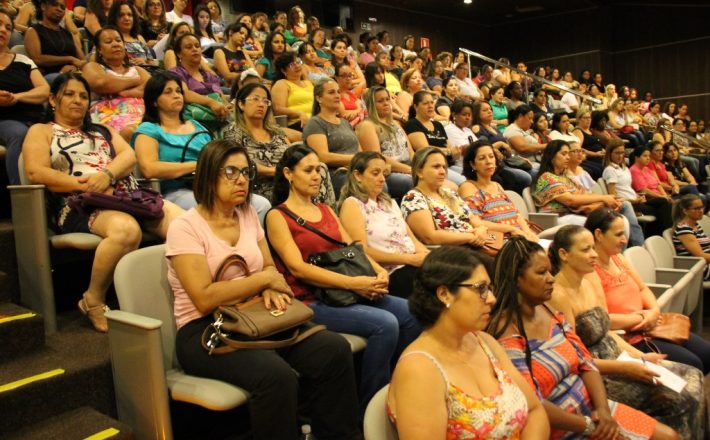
(349, 254)
(301, 221)
(276, 313)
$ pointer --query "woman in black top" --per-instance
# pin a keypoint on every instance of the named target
(590, 142)
(155, 26)
(423, 131)
(22, 92)
(449, 92)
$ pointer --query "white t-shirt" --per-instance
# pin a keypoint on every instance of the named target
(621, 177)
(172, 17)
(459, 136)
(568, 100)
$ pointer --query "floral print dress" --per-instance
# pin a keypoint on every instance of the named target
(445, 217)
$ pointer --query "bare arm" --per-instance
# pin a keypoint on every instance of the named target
(91, 23)
(424, 229)
(220, 63)
(38, 166)
(690, 242)
(39, 93)
(279, 99)
(137, 91)
(147, 150)
(367, 135)
(105, 83)
(520, 145)
(34, 51)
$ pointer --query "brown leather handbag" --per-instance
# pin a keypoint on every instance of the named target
(672, 327)
(250, 324)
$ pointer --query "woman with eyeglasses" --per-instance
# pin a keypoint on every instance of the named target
(155, 26)
(223, 224)
(544, 347)
(689, 238)
(351, 105)
(455, 381)
(292, 95)
(578, 294)
(631, 303)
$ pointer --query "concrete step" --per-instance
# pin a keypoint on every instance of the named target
(21, 332)
(73, 370)
(77, 424)
(9, 286)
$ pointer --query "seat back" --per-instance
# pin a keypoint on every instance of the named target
(661, 251)
(668, 236)
(529, 202)
(142, 287)
(24, 179)
(642, 261)
(597, 189)
(705, 223)
(602, 185)
(19, 49)
(377, 425)
(518, 202)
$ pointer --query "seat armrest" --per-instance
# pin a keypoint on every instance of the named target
(658, 289)
(545, 220)
(688, 263)
(133, 319)
(671, 276)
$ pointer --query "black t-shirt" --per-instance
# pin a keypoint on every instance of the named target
(15, 78)
(150, 33)
(435, 138)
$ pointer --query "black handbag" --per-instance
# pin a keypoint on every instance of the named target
(514, 161)
(348, 260)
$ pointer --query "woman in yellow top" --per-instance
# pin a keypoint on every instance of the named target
(292, 96)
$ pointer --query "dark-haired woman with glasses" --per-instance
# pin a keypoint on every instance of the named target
(455, 381)
(155, 26)
(223, 224)
(291, 94)
(549, 354)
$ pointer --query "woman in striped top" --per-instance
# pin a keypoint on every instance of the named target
(688, 236)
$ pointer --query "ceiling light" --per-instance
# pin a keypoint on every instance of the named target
(467, 2)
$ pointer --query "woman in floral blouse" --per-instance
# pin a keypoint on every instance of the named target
(373, 218)
(437, 215)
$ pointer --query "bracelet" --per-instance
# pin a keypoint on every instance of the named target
(110, 175)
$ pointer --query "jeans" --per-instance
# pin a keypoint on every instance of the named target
(455, 177)
(184, 198)
(12, 134)
(513, 179)
(693, 164)
(325, 376)
(398, 184)
(388, 327)
(636, 237)
(694, 352)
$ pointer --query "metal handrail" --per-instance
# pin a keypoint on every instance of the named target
(471, 53)
(703, 143)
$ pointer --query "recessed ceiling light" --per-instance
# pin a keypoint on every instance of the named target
(467, 2)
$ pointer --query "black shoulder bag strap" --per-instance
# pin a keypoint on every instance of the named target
(187, 144)
(302, 222)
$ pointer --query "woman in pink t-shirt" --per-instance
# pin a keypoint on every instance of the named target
(643, 179)
(223, 224)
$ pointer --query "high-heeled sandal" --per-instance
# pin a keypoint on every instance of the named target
(95, 314)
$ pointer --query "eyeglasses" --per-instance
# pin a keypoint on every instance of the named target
(347, 75)
(482, 288)
(258, 100)
(157, 5)
(580, 151)
(296, 62)
(696, 208)
(233, 173)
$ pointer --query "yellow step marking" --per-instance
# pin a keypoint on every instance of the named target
(106, 433)
(28, 380)
(16, 317)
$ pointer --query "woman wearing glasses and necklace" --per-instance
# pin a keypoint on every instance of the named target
(292, 95)
(454, 380)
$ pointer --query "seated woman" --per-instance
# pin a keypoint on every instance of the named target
(449, 93)
(274, 47)
(486, 198)
(666, 179)
(203, 30)
(381, 318)
(339, 48)
(296, 29)
(514, 95)
(223, 224)
(437, 215)
(118, 86)
(549, 354)
(519, 134)
(230, 60)
(164, 47)
(330, 136)
(53, 48)
(584, 180)
(292, 95)
(674, 165)
(435, 77)
(442, 382)
(99, 161)
(123, 16)
(619, 184)
(219, 25)
(203, 94)
(590, 142)
(314, 71)
(379, 133)
(632, 305)
(578, 293)
(500, 111)
(351, 107)
(177, 14)
(541, 128)
(254, 128)
(539, 103)
(458, 130)
(512, 178)
(423, 131)
(374, 219)
(412, 83)
(553, 191)
(689, 238)
(618, 123)
(97, 15)
(155, 26)
(318, 39)
(643, 178)
(23, 90)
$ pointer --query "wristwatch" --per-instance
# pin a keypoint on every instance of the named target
(591, 426)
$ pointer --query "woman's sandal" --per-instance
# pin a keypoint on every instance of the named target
(95, 314)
